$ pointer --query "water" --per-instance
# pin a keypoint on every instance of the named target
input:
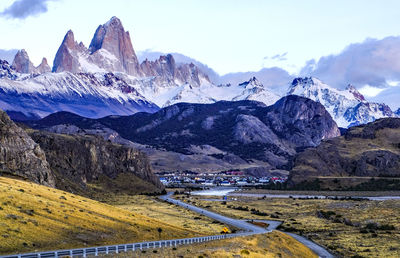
(231, 192)
(215, 191)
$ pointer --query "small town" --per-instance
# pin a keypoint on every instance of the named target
(226, 179)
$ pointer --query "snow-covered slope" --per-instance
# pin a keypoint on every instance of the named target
(347, 107)
(206, 92)
(89, 95)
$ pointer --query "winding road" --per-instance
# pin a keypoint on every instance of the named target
(249, 229)
(246, 230)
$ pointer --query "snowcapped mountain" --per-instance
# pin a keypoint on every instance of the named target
(397, 112)
(347, 107)
(204, 93)
(95, 95)
(107, 78)
(101, 80)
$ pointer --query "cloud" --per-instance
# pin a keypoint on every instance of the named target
(390, 96)
(372, 62)
(277, 57)
(22, 9)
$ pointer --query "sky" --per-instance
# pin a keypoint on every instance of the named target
(229, 36)
(302, 37)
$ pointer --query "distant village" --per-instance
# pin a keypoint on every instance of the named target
(227, 178)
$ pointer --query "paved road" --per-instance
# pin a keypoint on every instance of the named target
(313, 246)
(248, 228)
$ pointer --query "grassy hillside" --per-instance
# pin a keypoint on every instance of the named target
(174, 215)
(275, 244)
(34, 217)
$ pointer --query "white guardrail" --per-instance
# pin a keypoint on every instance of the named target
(109, 249)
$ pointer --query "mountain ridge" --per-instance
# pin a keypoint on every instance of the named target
(248, 129)
(370, 150)
(108, 79)
(348, 107)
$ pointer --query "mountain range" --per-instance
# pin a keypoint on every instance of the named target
(107, 78)
(233, 131)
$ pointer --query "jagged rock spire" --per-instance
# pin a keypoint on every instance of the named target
(66, 59)
(22, 63)
(112, 37)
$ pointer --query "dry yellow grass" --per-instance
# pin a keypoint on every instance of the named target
(343, 238)
(35, 217)
(175, 215)
(275, 244)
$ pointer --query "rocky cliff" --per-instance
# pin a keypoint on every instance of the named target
(371, 150)
(80, 162)
(20, 155)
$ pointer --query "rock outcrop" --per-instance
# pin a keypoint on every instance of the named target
(21, 156)
(371, 150)
(79, 160)
(302, 121)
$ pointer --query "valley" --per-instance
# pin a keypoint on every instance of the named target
(345, 227)
(122, 147)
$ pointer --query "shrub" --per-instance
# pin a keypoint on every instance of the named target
(245, 252)
(386, 227)
(29, 212)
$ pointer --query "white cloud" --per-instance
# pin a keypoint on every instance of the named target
(370, 91)
(372, 62)
(22, 9)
